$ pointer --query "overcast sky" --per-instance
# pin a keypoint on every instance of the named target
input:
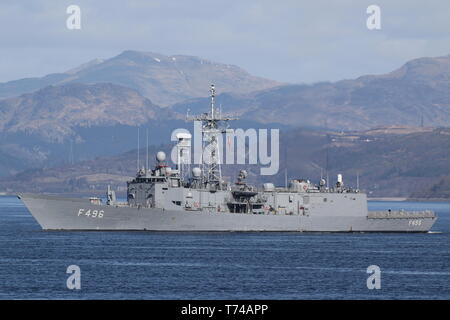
(290, 41)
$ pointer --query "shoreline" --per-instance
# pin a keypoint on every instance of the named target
(396, 199)
(404, 199)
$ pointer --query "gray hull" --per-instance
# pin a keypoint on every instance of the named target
(55, 213)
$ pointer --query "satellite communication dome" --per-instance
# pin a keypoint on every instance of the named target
(183, 135)
(160, 156)
(196, 172)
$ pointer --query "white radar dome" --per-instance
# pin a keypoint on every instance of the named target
(196, 172)
(160, 156)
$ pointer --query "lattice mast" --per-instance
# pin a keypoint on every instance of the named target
(213, 126)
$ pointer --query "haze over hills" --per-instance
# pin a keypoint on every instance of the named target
(419, 89)
(440, 189)
(390, 162)
(54, 111)
(42, 128)
(79, 121)
(163, 79)
(94, 109)
(100, 119)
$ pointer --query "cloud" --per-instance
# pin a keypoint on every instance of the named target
(292, 41)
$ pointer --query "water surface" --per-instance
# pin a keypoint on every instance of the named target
(157, 265)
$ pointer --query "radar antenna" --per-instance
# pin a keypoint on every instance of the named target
(213, 126)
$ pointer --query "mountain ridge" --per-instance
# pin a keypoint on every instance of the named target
(163, 79)
(54, 110)
(416, 94)
(418, 91)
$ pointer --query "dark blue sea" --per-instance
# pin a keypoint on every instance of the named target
(148, 265)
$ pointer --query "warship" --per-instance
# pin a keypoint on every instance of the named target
(198, 199)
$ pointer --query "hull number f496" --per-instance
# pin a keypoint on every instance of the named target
(91, 213)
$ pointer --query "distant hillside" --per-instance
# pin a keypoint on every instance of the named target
(74, 121)
(163, 79)
(418, 90)
(54, 111)
(45, 127)
(390, 162)
(440, 189)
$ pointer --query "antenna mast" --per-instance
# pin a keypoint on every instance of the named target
(213, 94)
(357, 179)
(285, 178)
(212, 129)
(146, 163)
(138, 145)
